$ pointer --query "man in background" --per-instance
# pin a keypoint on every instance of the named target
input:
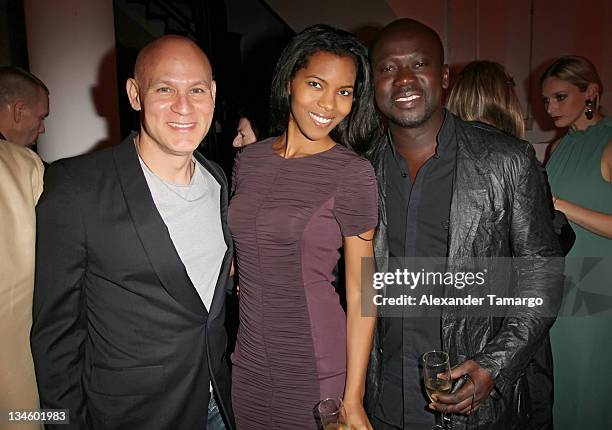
(24, 104)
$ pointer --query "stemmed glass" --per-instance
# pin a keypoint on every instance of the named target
(437, 380)
(331, 414)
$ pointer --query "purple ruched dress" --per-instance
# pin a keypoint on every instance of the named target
(287, 218)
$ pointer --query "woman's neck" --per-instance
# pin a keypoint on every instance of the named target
(293, 144)
(583, 123)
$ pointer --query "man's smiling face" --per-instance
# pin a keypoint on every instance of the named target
(176, 93)
(409, 76)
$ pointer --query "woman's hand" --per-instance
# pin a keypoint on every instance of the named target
(356, 415)
(597, 222)
(555, 199)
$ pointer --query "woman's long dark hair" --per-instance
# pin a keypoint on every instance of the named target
(361, 127)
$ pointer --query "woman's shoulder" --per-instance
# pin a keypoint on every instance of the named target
(256, 152)
(258, 147)
(606, 121)
(350, 157)
(355, 169)
(607, 125)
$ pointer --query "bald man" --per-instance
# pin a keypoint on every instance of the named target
(458, 191)
(133, 257)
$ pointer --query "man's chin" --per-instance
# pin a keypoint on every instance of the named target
(186, 141)
(185, 147)
(410, 122)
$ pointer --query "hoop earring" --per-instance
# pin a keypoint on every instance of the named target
(588, 110)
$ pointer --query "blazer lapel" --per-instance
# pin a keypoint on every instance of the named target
(152, 230)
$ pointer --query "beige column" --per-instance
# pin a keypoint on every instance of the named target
(71, 46)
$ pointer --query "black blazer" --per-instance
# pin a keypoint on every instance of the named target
(120, 336)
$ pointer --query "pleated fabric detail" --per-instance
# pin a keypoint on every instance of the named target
(287, 218)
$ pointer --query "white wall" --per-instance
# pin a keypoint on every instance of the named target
(71, 48)
(524, 36)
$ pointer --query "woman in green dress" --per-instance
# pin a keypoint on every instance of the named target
(580, 175)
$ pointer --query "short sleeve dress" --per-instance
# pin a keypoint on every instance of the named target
(287, 218)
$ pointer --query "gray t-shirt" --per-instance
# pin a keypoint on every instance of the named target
(193, 217)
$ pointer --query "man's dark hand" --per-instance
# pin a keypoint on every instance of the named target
(461, 401)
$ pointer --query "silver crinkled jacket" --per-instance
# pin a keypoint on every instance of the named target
(499, 208)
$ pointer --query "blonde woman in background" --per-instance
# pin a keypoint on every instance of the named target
(484, 92)
(580, 172)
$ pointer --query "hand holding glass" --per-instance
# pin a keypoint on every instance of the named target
(332, 415)
(437, 380)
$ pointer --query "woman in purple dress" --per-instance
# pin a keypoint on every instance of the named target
(298, 198)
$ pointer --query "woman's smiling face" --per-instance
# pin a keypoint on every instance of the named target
(322, 94)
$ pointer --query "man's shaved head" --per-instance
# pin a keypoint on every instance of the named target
(405, 27)
(163, 48)
(17, 84)
(24, 105)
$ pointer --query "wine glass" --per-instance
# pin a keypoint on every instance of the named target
(437, 380)
(331, 414)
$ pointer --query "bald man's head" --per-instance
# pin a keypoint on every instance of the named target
(409, 74)
(408, 28)
(160, 49)
(174, 91)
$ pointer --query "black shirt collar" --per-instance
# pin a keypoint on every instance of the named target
(2, 136)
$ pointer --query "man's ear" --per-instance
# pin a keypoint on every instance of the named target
(445, 76)
(213, 90)
(133, 93)
(17, 109)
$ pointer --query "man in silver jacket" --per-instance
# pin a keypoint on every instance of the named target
(459, 191)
